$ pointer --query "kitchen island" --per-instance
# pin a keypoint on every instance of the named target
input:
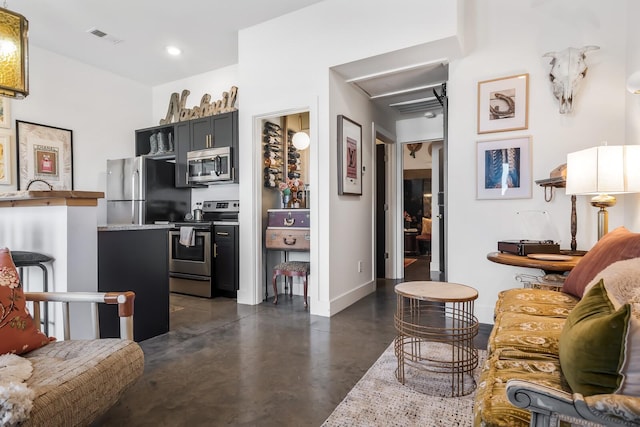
(61, 224)
(135, 258)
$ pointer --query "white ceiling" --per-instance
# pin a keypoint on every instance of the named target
(207, 33)
(205, 30)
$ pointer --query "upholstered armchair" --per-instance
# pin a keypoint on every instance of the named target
(423, 239)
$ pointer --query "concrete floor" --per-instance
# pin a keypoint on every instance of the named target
(265, 365)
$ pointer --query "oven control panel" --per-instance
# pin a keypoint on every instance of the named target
(221, 206)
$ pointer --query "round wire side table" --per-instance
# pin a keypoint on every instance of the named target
(437, 314)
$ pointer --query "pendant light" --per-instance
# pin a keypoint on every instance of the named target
(14, 62)
(300, 139)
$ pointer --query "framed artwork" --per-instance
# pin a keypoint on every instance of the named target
(503, 104)
(504, 169)
(44, 153)
(5, 113)
(5, 158)
(349, 156)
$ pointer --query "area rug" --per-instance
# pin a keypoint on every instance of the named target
(409, 261)
(378, 399)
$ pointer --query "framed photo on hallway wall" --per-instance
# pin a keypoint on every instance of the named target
(349, 156)
(503, 104)
(45, 153)
(504, 168)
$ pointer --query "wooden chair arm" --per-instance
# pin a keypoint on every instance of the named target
(124, 300)
(548, 406)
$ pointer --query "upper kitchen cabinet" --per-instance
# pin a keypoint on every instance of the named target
(158, 142)
(182, 132)
(216, 131)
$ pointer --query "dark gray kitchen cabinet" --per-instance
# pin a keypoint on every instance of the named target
(216, 131)
(182, 132)
(220, 130)
(135, 260)
(226, 263)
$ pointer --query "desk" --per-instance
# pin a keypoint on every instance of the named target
(523, 261)
(437, 312)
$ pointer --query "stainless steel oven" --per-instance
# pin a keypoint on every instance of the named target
(190, 269)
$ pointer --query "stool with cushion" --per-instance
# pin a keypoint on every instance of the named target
(291, 269)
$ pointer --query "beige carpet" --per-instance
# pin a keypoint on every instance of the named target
(378, 399)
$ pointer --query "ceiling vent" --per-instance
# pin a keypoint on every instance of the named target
(104, 36)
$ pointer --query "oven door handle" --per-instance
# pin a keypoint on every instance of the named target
(189, 276)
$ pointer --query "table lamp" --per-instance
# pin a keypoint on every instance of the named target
(604, 171)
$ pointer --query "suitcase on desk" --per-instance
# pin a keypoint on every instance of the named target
(290, 218)
(288, 239)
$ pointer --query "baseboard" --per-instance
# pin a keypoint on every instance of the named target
(343, 301)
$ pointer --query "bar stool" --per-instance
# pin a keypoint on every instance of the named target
(35, 259)
(291, 269)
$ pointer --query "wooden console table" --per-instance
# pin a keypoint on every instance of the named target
(523, 261)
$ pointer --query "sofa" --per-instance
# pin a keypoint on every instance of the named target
(63, 382)
(568, 357)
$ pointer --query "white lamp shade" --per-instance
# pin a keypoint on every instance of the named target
(607, 169)
(301, 140)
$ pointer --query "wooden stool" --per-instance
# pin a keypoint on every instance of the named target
(291, 269)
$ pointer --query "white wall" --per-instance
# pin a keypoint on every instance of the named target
(422, 159)
(510, 38)
(102, 110)
(326, 35)
(632, 201)
(419, 129)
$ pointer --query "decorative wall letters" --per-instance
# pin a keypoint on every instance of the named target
(178, 113)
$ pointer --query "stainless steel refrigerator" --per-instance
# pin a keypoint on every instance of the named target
(142, 191)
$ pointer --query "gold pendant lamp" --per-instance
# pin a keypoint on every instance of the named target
(14, 54)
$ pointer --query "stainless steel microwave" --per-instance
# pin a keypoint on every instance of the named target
(210, 166)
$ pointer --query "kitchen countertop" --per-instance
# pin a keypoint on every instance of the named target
(50, 198)
(133, 227)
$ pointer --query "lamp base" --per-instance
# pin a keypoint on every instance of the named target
(603, 201)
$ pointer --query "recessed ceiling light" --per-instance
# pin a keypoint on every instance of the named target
(174, 51)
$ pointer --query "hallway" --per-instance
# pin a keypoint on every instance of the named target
(266, 365)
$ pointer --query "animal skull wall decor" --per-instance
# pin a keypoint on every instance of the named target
(568, 69)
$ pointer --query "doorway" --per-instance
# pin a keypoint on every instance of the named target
(416, 209)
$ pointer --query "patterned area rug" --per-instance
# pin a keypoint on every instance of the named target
(378, 399)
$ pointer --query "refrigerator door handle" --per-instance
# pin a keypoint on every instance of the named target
(133, 202)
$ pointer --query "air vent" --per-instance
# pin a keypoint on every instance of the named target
(104, 36)
(419, 105)
(97, 33)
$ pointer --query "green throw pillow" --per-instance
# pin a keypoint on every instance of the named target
(592, 344)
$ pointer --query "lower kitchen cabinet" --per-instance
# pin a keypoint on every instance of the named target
(226, 263)
(135, 258)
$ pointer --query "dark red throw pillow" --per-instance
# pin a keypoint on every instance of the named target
(18, 333)
(618, 245)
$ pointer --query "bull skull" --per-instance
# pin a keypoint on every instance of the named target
(567, 71)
